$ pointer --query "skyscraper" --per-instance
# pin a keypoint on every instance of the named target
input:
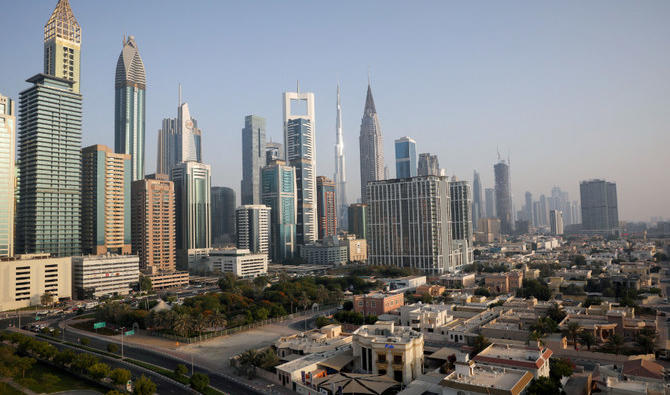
(62, 45)
(528, 208)
(371, 145)
(543, 211)
(278, 192)
(340, 176)
(405, 157)
(599, 206)
(223, 216)
(179, 140)
(7, 175)
(49, 211)
(105, 201)
(301, 154)
(273, 151)
(253, 158)
(410, 223)
(428, 165)
(253, 228)
(153, 223)
(129, 106)
(490, 194)
(460, 196)
(326, 207)
(477, 200)
(504, 197)
(192, 185)
(358, 220)
(556, 222)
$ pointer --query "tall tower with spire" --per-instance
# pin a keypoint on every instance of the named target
(371, 145)
(62, 44)
(340, 170)
(129, 107)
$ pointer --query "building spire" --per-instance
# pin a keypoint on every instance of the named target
(179, 104)
(62, 24)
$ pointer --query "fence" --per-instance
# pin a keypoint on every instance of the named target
(231, 331)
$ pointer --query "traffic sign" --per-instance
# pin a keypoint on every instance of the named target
(100, 324)
(130, 332)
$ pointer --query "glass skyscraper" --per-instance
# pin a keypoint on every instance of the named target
(223, 216)
(503, 193)
(405, 157)
(179, 140)
(7, 176)
(49, 217)
(253, 158)
(279, 193)
(129, 107)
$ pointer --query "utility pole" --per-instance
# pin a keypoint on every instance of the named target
(123, 330)
(191, 364)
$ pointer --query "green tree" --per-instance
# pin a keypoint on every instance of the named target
(113, 348)
(559, 368)
(64, 357)
(646, 340)
(47, 299)
(572, 332)
(82, 361)
(49, 379)
(555, 313)
(543, 386)
(85, 341)
(23, 364)
(586, 337)
(145, 283)
(537, 336)
(579, 260)
(144, 386)
(120, 376)
(348, 305)
(99, 370)
(114, 392)
(481, 291)
(181, 370)
(199, 381)
(614, 343)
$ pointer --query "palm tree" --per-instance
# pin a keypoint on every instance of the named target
(587, 337)
(615, 342)
(217, 320)
(182, 324)
(572, 331)
(537, 336)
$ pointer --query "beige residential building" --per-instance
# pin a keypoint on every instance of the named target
(97, 275)
(105, 193)
(153, 213)
(24, 279)
(357, 249)
(387, 349)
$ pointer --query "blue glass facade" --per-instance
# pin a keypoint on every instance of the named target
(278, 191)
(405, 158)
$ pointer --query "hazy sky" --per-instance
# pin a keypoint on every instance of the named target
(572, 89)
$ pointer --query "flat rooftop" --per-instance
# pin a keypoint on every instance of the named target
(487, 377)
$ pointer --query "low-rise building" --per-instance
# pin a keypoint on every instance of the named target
(407, 283)
(329, 251)
(378, 303)
(532, 359)
(458, 280)
(98, 275)
(163, 280)
(470, 378)
(433, 290)
(309, 367)
(357, 249)
(387, 349)
(326, 338)
(241, 262)
(24, 279)
(427, 318)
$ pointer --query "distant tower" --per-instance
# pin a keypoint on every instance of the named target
(62, 45)
(326, 207)
(179, 140)
(528, 208)
(504, 197)
(278, 192)
(428, 165)
(129, 107)
(599, 206)
(253, 158)
(7, 170)
(405, 157)
(340, 176)
(223, 216)
(371, 145)
(490, 194)
(300, 153)
(357, 220)
(477, 200)
(556, 222)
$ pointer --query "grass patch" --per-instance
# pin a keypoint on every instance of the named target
(43, 378)
(93, 350)
(7, 389)
(165, 372)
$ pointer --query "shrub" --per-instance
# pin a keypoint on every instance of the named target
(113, 348)
(181, 370)
(144, 386)
(120, 376)
(199, 381)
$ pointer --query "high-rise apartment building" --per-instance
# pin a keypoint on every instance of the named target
(192, 186)
(503, 190)
(477, 200)
(223, 216)
(179, 140)
(599, 206)
(105, 201)
(279, 193)
(253, 228)
(62, 45)
(49, 211)
(490, 194)
(543, 211)
(556, 222)
(340, 176)
(409, 223)
(253, 158)
(461, 210)
(153, 223)
(428, 165)
(371, 145)
(405, 157)
(129, 106)
(357, 220)
(301, 154)
(326, 207)
(7, 175)
(528, 208)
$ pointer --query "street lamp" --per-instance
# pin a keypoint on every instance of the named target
(123, 330)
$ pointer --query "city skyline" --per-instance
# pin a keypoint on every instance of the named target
(517, 121)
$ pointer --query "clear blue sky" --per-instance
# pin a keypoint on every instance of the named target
(573, 89)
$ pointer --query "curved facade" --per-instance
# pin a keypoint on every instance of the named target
(129, 106)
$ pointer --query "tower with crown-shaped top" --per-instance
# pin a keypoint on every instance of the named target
(62, 45)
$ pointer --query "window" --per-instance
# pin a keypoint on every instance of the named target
(381, 357)
(397, 359)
